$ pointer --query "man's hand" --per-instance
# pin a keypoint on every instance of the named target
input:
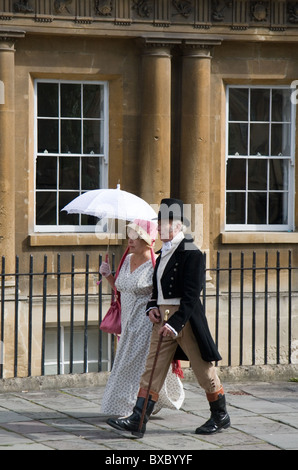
(165, 331)
(154, 315)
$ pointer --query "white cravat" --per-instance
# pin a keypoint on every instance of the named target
(166, 246)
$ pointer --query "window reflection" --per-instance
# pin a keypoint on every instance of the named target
(238, 135)
(48, 136)
(71, 101)
(278, 208)
(236, 208)
(257, 208)
(281, 139)
(260, 105)
(259, 139)
(279, 178)
(257, 174)
(48, 99)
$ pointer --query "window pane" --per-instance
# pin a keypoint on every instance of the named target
(50, 352)
(78, 348)
(257, 174)
(281, 139)
(71, 100)
(236, 174)
(257, 208)
(235, 208)
(93, 101)
(281, 105)
(70, 136)
(90, 173)
(46, 208)
(279, 175)
(92, 345)
(238, 104)
(64, 217)
(48, 136)
(260, 105)
(47, 100)
(238, 139)
(69, 171)
(93, 139)
(78, 353)
(46, 172)
(278, 208)
(88, 220)
(259, 139)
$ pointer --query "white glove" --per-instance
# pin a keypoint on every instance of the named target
(105, 269)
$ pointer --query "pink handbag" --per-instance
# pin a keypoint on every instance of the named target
(112, 320)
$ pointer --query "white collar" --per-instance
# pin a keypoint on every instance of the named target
(172, 244)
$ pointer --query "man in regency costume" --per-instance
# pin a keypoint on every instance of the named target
(177, 283)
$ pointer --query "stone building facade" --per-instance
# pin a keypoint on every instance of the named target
(194, 99)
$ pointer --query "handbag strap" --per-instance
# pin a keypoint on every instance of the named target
(117, 294)
(121, 262)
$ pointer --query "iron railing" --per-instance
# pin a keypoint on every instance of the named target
(260, 304)
(251, 307)
(43, 290)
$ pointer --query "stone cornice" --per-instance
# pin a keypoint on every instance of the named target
(10, 34)
(189, 15)
(9, 37)
(199, 47)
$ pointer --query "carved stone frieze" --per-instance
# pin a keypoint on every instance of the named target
(183, 7)
(103, 7)
(259, 11)
(22, 7)
(143, 8)
(62, 6)
(237, 15)
(219, 9)
(293, 12)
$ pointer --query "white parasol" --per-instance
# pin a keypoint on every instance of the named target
(111, 204)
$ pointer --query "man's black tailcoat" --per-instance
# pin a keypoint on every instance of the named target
(183, 278)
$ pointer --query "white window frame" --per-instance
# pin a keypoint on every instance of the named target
(289, 227)
(104, 156)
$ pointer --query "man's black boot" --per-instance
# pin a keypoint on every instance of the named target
(131, 423)
(219, 417)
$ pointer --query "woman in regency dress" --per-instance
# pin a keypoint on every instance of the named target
(134, 283)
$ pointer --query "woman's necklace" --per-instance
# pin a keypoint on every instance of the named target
(137, 261)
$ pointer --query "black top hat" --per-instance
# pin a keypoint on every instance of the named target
(172, 209)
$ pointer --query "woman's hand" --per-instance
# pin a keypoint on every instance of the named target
(105, 269)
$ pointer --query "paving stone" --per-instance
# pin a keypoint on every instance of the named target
(263, 417)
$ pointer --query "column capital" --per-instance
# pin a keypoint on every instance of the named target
(8, 38)
(199, 48)
(157, 46)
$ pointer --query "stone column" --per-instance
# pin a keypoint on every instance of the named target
(155, 135)
(195, 137)
(7, 146)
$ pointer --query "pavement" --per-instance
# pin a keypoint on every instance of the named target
(264, 416)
